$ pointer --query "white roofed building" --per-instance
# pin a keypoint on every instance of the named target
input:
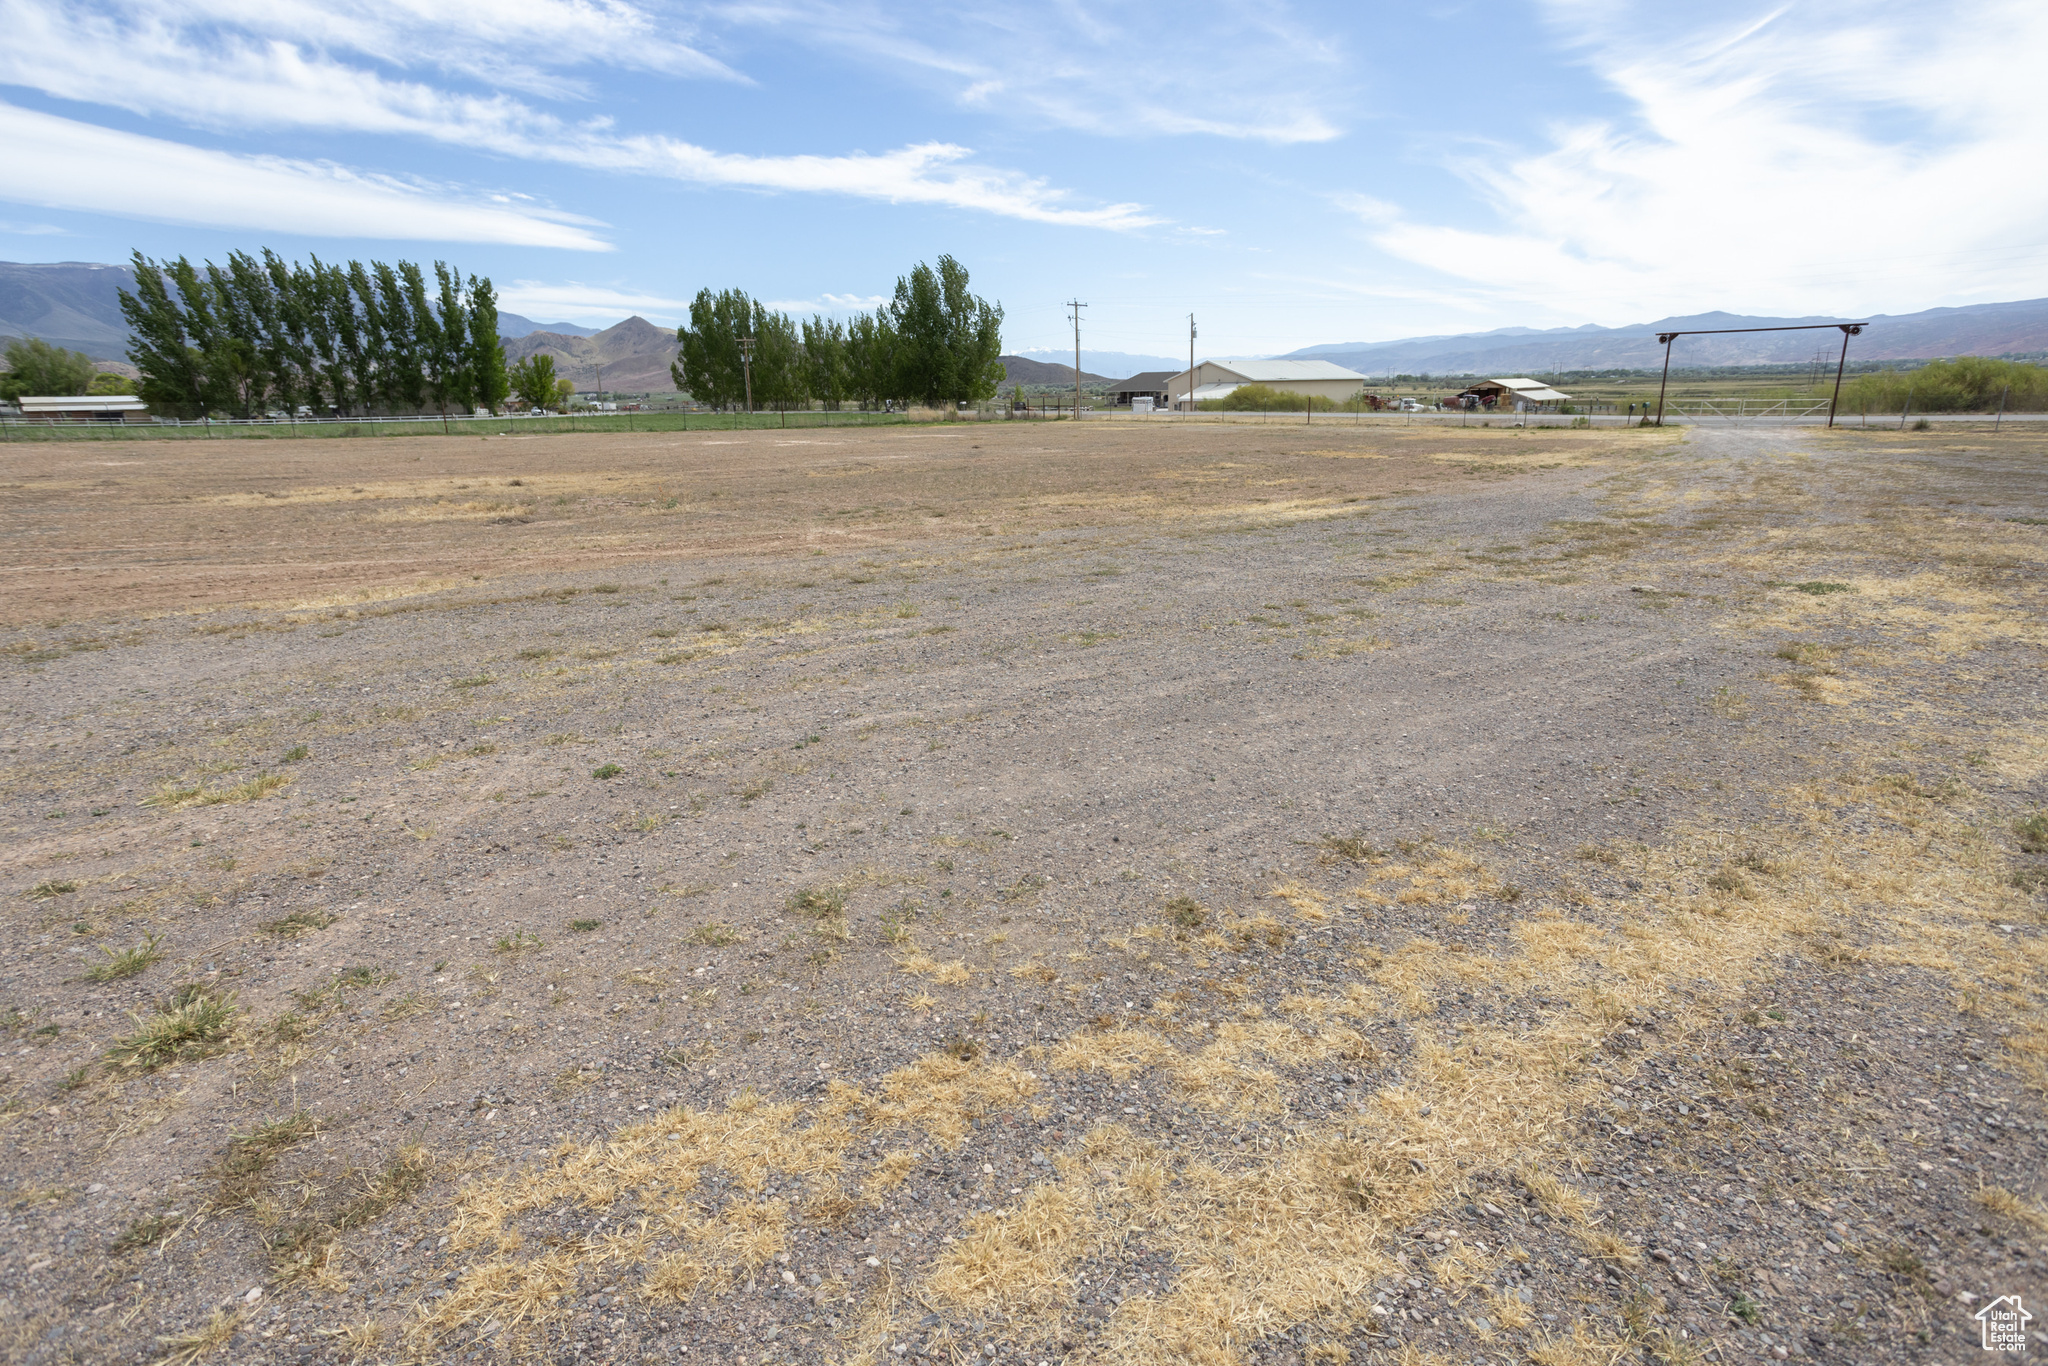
(84, 408)
(1515, 395)
(1217, 378)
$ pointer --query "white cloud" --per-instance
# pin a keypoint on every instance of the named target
(1221, 69)
(833, 304)
(580, 303)
(1824, 160)
(158, 62)
(60, 163)
(31, 230)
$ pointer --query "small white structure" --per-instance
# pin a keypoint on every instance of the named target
(84, 408)
(1218, 378)
(1515, 395)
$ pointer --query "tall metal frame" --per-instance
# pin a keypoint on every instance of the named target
(1848, 330)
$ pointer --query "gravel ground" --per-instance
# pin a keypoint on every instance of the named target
(1570, 910)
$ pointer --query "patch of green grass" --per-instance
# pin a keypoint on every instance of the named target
(126, 963)
(606, 771)
(753, 792)
(241, 1168)
(536, 652)
(1186, 912)
(1820, 587)
(191, 1022)
(329, 995)
(172, 797)
(2033, 832)
(296, 753)
(473, 681)
(147, 1232)
(584, 926)
(297, 923)
(43, 891)
(520, 941)
(715, 934)
(818, 902)
(1354, 848)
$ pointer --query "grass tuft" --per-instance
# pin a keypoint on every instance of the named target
(43, 891)
(606, 771)
(820, 903)
(191, 1022)
(126, 963)
(297, 923)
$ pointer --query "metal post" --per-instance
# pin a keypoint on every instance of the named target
(1848, 330)
(1191, 362)
(1077, 306)
(2000, 420)
(1667, 338)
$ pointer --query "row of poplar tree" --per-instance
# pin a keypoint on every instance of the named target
(934, 343)
(263, 333)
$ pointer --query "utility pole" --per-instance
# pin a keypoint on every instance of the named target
(747, 368)
(600, 386)
(1191, 362)
(1076, 305)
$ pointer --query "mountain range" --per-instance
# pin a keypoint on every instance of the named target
(2019, 328)
(76, 304)
(1115, 364)
(629, 357)
(1023, 370)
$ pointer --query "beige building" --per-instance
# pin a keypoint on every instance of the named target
(84, 408)
(1217, 378)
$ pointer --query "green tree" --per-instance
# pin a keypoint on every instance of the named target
(949, 341)
(780, 380)
(871, 358)
(107, 382)
(708, 365)
(173, 369)
(36, 367)
(485, 359)
(824, 351)
(442, 331)
(533, 379)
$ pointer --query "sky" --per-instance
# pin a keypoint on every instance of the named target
(1288, 173)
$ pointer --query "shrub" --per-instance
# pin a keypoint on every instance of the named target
(1264, 398)
(1963, 385)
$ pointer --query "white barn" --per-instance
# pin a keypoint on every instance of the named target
(1217, 378)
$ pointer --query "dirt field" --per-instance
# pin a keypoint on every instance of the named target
(1025, 894)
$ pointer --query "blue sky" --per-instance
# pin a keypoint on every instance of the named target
(1289, 173)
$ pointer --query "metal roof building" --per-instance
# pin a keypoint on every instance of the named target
(84, 408)
(1217, 378)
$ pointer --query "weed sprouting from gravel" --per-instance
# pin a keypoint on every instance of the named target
(43, 891)
(818, 902)
(473, 681)
(295, 754)
(128, 962)
(584, 926)
(241, 1168)
(297, 923)
(182, 1349)
(173, 797)
(604, 772)
(190, 1022)
(2032, 832)
(146, 1232)
(521, 941)
(1186, 912)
